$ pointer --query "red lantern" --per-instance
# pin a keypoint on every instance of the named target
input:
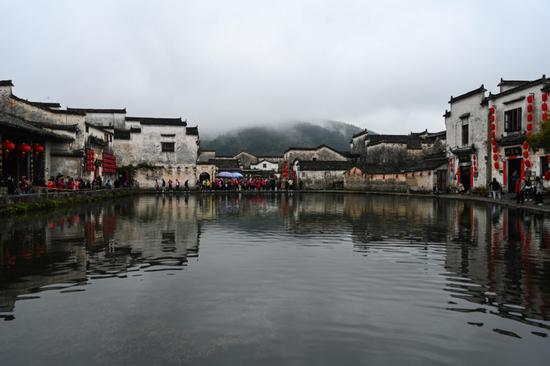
(492, 118)
(544, 97)
(526, 145)
(492, 110)
(528, 163)
(529, 108)
(530, 99)
(37, 148)
(526, 154)
(493, 126)
(24, 149)
(529, 117)
(497, 165)
(529, 126)
(495, 157)
(545, 116)
(494, 142)
(544, 106)
(8, 146)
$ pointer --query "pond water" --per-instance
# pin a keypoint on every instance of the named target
(273, 279)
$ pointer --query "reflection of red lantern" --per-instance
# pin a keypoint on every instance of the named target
(528, 163)
(494, 142)
(526, 154)
(497, 165)
(492, 118)
(529, 108)
(529, 126)
(24, 149)
(544, 97)
(545, 116)
(525, 145)
(493, 126)
(530, 99)
(544, 106)
(493, 133)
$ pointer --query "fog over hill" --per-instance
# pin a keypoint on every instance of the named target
(262, 140)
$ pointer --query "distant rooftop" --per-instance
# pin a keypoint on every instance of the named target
(6, 83)
(97, 110)
(158, 121)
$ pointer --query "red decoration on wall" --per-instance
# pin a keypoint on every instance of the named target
(525, 154)
(497, 165)
(529, 108)
(8, 146)
(544, 116)
(526, 145)
(492, 118)
(544, 106)
(529, 126)
(37, 149)
(24, 149)
(530, 99)
(492, 110)
(544, 97)
(494, 142)
(529, 117)
(493, 126)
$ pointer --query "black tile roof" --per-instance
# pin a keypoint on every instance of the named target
(479, 90)
(511, 82)
(45, 104)
(158, 121)
(312, 148)
(53, 110)
(543, 81)
(11, 121)
(6, 83)
(193, 131)
(97, 110)
(54, 126)
(225, 164)
(106, 129)
(513, 139)
(320, 165)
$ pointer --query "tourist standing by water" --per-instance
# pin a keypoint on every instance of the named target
(496, 189)
(539, 191)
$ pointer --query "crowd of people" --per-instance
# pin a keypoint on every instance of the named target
(226, 184)
(525, 189)
(59, 183)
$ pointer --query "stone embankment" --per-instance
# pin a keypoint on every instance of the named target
(47, 200)
(26, 203)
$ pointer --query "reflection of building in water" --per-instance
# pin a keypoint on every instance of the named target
(505, 254)
(99, 241)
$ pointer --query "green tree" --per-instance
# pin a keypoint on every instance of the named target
(541, 139)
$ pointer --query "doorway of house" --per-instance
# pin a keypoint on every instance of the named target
(514, 166)
(442, 180)
(465, 177)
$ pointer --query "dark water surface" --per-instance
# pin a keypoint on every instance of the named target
(271, 280)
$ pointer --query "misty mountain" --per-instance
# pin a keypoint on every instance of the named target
(274, 141)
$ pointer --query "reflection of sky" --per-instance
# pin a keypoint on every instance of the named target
(283, 280)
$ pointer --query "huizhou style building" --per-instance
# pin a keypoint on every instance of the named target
(517, 111)
(467, 134)
(40, 140)
(487, 136)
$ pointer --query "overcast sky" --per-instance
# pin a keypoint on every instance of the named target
(389, 66)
